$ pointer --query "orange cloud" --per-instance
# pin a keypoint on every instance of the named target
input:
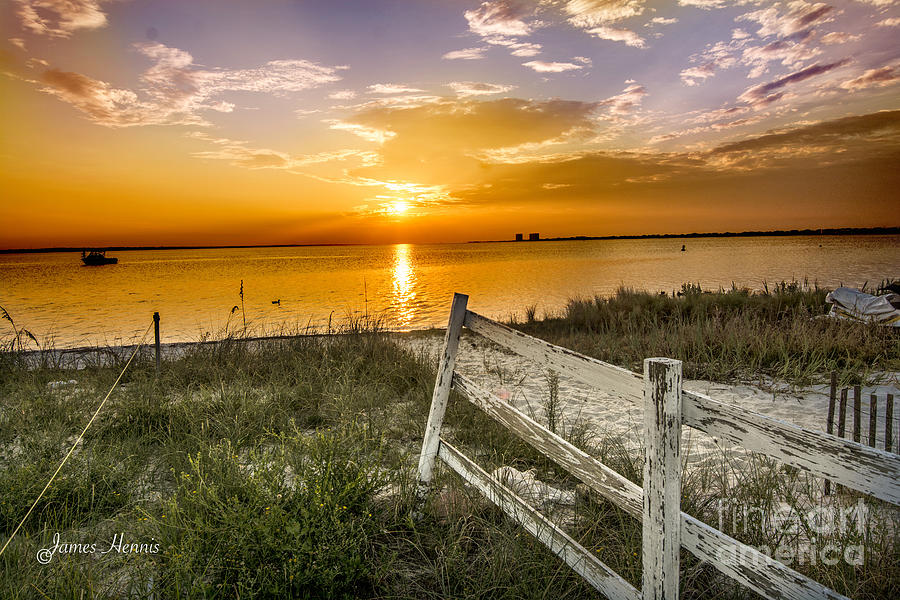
(61, 17)
(873, 78)
(176, 91)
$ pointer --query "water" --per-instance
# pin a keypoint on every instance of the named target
(408, 286)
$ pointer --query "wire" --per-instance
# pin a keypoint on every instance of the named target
(77, 441)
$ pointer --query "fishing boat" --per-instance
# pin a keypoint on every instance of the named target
(95, 258)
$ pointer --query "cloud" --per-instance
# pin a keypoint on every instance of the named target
(696, 75)
(516, 47)
(466, 54)
(717, 114)
(890, 22)
(618, 35)
(305, 112)
(791, 31)
(392, 88)
(582, 179)
(793, 25)
(524, 49)
(594, 13)
(872, 133)
(799, 17)
(767, 93)
(704, 4)
(60, 17)
(721, 119)
(274, 77)
(370, 134)
(441, 143)
(394, 101)
(100, 101)
(502, 23)
(17, 42)
(627, 101)
(810, 157)
(500, 18)
(788, 52)
(714, 57)
(839, 37)
(662, 21)
(551, 67)
(342, 95)
(175, 91)
(240, 154)
(472, 88)
(873, 78)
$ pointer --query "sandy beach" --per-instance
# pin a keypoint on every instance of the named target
(525, 385)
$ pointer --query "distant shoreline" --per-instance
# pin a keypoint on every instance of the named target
(646, 236)
(121, 248)
(726, 234)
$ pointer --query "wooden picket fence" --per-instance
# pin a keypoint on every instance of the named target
(864, 416)
(666, 529)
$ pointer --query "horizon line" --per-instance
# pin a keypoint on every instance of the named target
(879, 230)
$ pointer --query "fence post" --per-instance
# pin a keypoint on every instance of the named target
(842, 413)
(888, 426)
(832, 397)
(873, 418)
(441, 394)
(857, 400)
(662, 479)
(156, 334)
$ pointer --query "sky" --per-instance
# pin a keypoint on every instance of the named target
(219, 122)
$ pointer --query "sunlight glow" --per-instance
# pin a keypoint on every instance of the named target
(404, 279)
(398, 207)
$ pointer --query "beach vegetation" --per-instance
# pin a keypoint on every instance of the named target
(286, 467)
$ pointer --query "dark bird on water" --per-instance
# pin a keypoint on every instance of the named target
(682, 248)
(278, 302)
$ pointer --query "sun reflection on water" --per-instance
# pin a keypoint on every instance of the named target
(404, 280)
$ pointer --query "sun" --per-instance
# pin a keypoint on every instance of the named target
(398, 207)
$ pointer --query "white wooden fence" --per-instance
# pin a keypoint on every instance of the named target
(667, 407)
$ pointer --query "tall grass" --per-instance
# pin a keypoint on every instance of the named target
(726, 335)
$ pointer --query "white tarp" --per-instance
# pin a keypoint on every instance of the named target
(850, 303)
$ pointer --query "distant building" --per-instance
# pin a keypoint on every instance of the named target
(519, 237)
(533, 237)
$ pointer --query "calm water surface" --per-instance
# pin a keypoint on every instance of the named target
(408, 286)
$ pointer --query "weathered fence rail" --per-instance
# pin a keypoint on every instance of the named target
(667, 407)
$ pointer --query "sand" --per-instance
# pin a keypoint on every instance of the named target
(527, 386)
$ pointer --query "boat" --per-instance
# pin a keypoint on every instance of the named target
(95, 258)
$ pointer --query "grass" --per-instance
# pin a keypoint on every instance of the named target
(726, 335)
(286, 468)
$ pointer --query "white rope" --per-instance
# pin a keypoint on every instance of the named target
(80, 437)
